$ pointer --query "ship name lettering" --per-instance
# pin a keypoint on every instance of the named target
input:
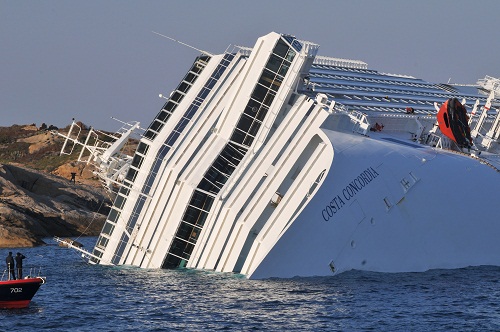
(356, 185)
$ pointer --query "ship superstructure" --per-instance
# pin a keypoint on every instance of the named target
(273, 161)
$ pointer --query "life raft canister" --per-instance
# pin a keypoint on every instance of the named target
(453, 122)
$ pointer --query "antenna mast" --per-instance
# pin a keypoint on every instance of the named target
(194, 48)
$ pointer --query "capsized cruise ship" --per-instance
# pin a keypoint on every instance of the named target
(274, 161)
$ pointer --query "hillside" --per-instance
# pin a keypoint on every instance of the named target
(37, 199)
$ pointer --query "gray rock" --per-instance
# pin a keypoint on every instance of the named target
(35, 205)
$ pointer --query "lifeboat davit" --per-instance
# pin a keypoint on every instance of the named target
(453, 122)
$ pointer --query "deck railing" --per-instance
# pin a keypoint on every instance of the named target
(28, 272)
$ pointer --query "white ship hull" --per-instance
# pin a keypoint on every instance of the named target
(438, 222)
(276, 162)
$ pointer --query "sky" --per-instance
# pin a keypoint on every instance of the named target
(93, 60)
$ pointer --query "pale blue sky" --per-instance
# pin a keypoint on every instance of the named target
(92, 60)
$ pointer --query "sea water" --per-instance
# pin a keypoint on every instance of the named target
(82, 297)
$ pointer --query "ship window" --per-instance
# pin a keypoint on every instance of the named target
(121, 247)
(268, 100)
(414, 177)
(197, 68)
(177, 97)
(97, 253)
(251, 109)
(156, 126)
(274, 63)
(137, 161)
(163, 116)
(207, 185)
(219, 172)
(131, 174)
(215, 176)
(183, 122)
(290, 55)
(177, 247)
(263, 94)
(255, 110)
(190, 77)
(119, 202)
(171, 140)
(267, 78)
(193, 237)
(169, 106)
(281, 48)
(103, 242)
(261, 114)
(124, 191)
(183, 87)
(143, 148)
(191, 215)
(113, 215)
(181, 248)
(276, 83)
(270, 80)
(227, 161)
(259, 92)
(172, 261)
(108, 228)
(135, 215)
(204, 93)
(202, 201)
(231, 156)
(192, 110)
(284, 68)
(184, 231)
(150, 134)
(245, 122)
(405, 184)
(242, 137)
(194, 216)
(254, 128)
(127, 184)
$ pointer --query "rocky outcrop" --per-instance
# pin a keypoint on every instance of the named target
(38, 141)
(84, 174)
(35, 205)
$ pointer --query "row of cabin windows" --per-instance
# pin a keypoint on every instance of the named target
(184, 121)
(224, 165)
(143, 148)
(121, 247)
(179, 128)
(176, 97)
(171, 139)
(120, 199)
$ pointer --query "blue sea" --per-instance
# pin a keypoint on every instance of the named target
(82, 297)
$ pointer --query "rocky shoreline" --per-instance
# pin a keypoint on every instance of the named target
(36, 205)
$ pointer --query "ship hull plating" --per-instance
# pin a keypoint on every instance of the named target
(391, 207)
(273, 161)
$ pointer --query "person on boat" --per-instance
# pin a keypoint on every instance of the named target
(19, 265)
(10, 266)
